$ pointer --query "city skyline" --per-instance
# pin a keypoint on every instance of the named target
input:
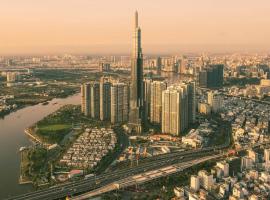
(98, 27)
(145, 99)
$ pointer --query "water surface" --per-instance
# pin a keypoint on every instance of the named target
(12, 137)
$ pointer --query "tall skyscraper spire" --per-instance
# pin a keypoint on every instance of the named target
(136, 19)
(136, 86)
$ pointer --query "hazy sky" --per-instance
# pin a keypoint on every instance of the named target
(105, 26)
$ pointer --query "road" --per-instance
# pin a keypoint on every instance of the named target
(150, 164)
(146, 164)
(80, 186)
(155, 163)
(145, 177)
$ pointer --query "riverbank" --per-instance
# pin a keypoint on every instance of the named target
(31, 102)
(37, 160)
(68, 123)
(24, 167)
(51, 136)
(34, 167)
(12, 137)
(7, 112)
(41, 86)
(53, 128)
(34, 137)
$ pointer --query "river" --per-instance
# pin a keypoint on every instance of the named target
(12, 137)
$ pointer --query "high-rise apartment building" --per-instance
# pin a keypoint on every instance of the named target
(224, 166)
(105, 99)
(170, 64)
(184, 108)
(215, 101)
(95, 100)
(182, 65)
(174, 108)
(203, 78)
(136, 88)
(191, 102)
(85, 99)
(211, 76)
(119, 102)
(178, 108)
(206, 179)
(159, 65)
(147, 97)
(219, 75)
(157, 87)
(104, 67)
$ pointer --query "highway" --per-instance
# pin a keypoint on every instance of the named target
(155, 174)
(146, 164)
(80, 186)
(103, 180)
(145, 177)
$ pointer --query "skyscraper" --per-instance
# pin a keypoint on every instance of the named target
(218, 75)
(202, 77)
(82, 98)
(147, 97)
(211, 77)
(178, 108)
(191, 102)
(136, 88)
(156, 101)
(85, 99)
(94, 100)
(159, 65)
(105, 99)
(119, 102)
(104, 67)
(182, 65)
(173, 110)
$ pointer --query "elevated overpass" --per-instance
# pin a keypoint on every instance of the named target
(145, 177)
(85, 185)
(175, 159)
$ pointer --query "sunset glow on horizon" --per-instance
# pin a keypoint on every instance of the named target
(104, 26)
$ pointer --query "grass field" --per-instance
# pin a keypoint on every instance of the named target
(54, 133)
(55, 127)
